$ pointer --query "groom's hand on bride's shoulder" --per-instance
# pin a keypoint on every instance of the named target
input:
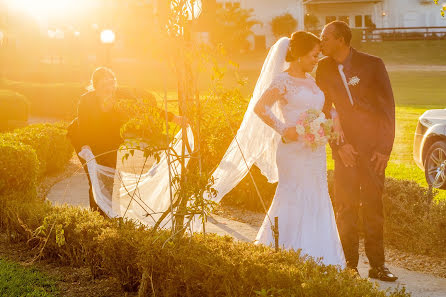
(348, 155)
(380, 161)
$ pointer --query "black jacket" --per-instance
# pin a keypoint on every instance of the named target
(369, 125)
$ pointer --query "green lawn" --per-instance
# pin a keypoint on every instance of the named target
(402, 165)
(415, 52)
(18, 281)
(415, 92)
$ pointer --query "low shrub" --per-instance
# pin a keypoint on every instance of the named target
(50, 143)
(59, 100)
(14, 110)
(49, 100)
(198, 265)
(415, 222)
(70, 233)
(18, 169)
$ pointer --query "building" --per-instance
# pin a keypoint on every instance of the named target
(379, 13)
(357, 13)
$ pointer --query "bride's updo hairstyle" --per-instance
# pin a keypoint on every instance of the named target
(301, 43)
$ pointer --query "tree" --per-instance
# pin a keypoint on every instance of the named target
(283, 25)
(311, 22)
(232, 27)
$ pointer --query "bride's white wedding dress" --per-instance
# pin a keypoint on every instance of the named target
(302, 202)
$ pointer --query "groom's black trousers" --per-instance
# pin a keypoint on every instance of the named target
(358, 188)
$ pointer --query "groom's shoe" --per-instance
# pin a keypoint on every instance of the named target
(382, 273)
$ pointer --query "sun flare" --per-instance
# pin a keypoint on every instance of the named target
(44, 9)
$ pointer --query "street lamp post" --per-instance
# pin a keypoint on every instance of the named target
(108, 38)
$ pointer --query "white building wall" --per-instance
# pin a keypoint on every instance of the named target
(351, 10)
(412, 13)
(386, 13)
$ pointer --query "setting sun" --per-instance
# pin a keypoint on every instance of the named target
(44, 9)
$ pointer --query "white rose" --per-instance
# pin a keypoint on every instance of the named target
(300, 129)
(314, 127)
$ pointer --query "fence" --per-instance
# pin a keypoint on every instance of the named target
(404, 33)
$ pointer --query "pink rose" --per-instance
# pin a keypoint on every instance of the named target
(300, 122)
(309, 137)
(321, 132)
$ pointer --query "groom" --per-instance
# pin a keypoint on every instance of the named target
(358, 85)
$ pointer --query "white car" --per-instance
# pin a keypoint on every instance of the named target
(429, 149)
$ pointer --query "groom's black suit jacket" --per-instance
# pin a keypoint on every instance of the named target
(369, 125)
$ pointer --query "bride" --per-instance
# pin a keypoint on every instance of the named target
(266, 138)
(301, 203)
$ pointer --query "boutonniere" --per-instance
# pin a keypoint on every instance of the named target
(354, 81)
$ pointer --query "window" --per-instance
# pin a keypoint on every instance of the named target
(345, 19)
(228, 5)
(358, 21)
(219, 5)
(236, 4)
(329, 19)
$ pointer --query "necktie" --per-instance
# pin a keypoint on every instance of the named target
(344, 80)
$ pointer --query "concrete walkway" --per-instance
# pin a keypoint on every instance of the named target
(74, 191)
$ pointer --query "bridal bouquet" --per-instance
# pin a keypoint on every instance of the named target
(314, 128)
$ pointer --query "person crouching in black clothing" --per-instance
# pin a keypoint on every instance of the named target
(98, 123)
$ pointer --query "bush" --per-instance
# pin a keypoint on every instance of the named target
(49, 100)
(414, 221)
(18, 169)
(198, 265)
(283, 25)
(70, 233)
(61, 100)
(50, 143)
(14, 110)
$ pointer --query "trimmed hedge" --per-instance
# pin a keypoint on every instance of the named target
(49, 100)
(50, 143)
(14, 110)
(27, 154)
(150, 262)
(60, 100)
(18, 169)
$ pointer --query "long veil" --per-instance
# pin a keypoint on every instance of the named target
(255, 142)
(144, 197)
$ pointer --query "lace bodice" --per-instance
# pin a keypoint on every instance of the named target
(300, 94)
